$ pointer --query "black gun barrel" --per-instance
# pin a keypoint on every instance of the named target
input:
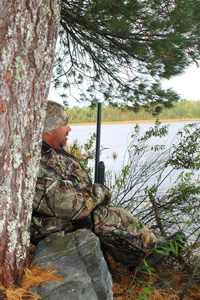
(101, 172)
(98, 136)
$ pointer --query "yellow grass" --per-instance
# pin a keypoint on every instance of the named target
(138, 121)
(33, 275)
(123, 286)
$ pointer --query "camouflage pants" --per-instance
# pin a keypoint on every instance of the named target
(114, 226)
(118, 229)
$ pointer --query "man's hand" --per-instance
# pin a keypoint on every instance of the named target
(102, 194)
(107, 198)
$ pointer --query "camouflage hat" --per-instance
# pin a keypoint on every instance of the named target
(56, 116)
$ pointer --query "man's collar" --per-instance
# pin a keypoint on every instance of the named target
(45, 146)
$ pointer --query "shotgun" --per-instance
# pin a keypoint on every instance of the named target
(99, 166)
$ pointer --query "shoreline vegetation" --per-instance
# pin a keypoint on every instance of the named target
(175, 272)
(181, 111)
(136, 121)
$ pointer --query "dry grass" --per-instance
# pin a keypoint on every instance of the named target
(123, 285)
(122, 279)
(138, 121)
(75, 150)
(33, 275)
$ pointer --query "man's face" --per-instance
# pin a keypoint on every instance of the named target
(57, 138)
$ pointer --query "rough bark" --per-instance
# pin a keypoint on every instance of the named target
(28, 33)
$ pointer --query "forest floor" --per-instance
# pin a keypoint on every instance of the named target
(129, 285)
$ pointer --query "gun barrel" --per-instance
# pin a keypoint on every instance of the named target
(98, 137)
(101, 172)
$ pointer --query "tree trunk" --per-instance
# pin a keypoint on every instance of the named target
(28, 33)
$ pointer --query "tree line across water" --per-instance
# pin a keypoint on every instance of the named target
(181, 110)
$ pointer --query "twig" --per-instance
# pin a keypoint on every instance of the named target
(190, 281)
(138, 268)
(158, 219)
(183, 262)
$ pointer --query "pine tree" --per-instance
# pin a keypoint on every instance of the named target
(119, 50)
(29, 30)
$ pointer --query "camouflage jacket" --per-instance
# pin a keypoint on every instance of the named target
(64, 189)
(65, 195)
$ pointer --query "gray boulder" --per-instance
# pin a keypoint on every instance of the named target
(79, 261)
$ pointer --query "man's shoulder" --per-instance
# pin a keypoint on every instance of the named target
(62, 164)
(53, 156)
(56, 159)
(47, 150)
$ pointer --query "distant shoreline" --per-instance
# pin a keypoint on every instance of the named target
(136, 121)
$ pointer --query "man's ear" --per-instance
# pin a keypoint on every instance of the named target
(46, 134)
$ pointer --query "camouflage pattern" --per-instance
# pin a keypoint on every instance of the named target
(56, 116)
(64, 192)
(118, 229)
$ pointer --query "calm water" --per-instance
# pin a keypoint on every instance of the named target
(117, 137)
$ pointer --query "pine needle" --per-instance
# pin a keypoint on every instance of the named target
(33, 275)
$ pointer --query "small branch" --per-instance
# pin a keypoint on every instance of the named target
(157, 215)
(190, 281)
(194, 232)
(180, 258)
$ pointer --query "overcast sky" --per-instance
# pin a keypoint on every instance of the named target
(186, 85)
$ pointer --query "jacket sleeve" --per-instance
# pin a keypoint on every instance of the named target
(67, 198)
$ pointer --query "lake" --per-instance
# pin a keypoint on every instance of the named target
(116, 138)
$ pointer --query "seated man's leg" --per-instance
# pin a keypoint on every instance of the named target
(118, 229)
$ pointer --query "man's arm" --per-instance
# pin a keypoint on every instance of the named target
(59, 198)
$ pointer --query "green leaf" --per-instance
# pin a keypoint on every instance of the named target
(161, 252)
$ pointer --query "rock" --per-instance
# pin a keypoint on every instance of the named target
(79, 261)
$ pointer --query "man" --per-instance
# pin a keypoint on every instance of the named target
(65, 197)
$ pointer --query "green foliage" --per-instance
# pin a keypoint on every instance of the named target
(177, 207)
(119, 50)
(85, 153)
(82, 115)
(157, 131)
(181, 110)
(172, 247)
(145, 267)
(186, 148)
(139, 170)
(141, 295)
(148, 167)
(120, 180)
